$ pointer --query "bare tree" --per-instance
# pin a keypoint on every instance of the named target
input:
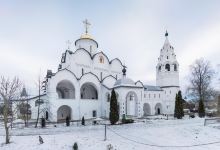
(9, 91)
(200, 80)
(40, 101)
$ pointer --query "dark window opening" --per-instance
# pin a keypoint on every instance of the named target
(167, 67)
(94, 113)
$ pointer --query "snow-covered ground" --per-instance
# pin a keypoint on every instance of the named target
(187, 134)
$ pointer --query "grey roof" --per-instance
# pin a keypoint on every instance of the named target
(152, 88)
(124, 81)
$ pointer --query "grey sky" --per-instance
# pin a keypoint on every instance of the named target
(33, 34)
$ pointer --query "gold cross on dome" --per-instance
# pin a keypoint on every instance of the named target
(68, 43)
(87, 24)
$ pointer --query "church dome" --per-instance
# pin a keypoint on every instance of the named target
(86, 36)
(124, 81)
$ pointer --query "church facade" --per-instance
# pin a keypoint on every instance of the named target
(86, 76)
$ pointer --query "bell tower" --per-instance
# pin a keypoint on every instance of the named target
(167, 69)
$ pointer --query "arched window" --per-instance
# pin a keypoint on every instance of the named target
(175, 67)
(65, 90)
(101, 59)
(167, 67)
(88, 91)
(159, 68)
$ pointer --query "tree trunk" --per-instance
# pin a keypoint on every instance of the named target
(7, 135)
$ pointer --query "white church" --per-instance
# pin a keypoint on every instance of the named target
(86, 76)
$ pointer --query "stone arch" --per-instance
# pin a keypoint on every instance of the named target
(65, 90)
(146, 109)
(131, 104)
(167, 67)
(88, 91)
(158, 109)
(63, 112)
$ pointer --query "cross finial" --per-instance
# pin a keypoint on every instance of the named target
(68, 43)
(87, 24)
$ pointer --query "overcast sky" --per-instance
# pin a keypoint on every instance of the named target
(33, 34)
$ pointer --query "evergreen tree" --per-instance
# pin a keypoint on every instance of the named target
(178, 112)
(83, 121)
(114, 114)
(201, 109)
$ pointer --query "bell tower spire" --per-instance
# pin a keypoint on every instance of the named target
(167, 68)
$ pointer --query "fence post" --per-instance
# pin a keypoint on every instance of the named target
(105, 138)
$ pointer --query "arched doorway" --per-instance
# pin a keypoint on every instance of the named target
(158, 109)
(146, 109)
(65, 90)
(88, 91)
(131, 104)
(63, 112)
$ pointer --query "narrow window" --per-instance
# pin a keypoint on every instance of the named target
(101, 59)
(82, 71)
(94, 113)
(154, 95)
(175, 67)
(90, 48)
(101, 75)
(159, 68)
(167, 57)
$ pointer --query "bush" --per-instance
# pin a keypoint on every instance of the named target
(191, 115)
(67, 121)
(125, 121)
(43, 122)
(75, 146)
(83, 121)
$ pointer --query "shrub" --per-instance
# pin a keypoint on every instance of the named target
(75, 146)
(83, 121)
(125, 121)
(43, 122)
(67, 121)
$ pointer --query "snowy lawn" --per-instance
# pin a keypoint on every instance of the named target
(151, 135)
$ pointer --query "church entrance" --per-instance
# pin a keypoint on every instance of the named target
(63, 112)
(131, 104)
(158, 109)
(146, 109)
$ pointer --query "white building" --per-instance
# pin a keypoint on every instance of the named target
(86, 77)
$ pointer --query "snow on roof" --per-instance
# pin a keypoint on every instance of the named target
(124, 81)
(152, 88)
